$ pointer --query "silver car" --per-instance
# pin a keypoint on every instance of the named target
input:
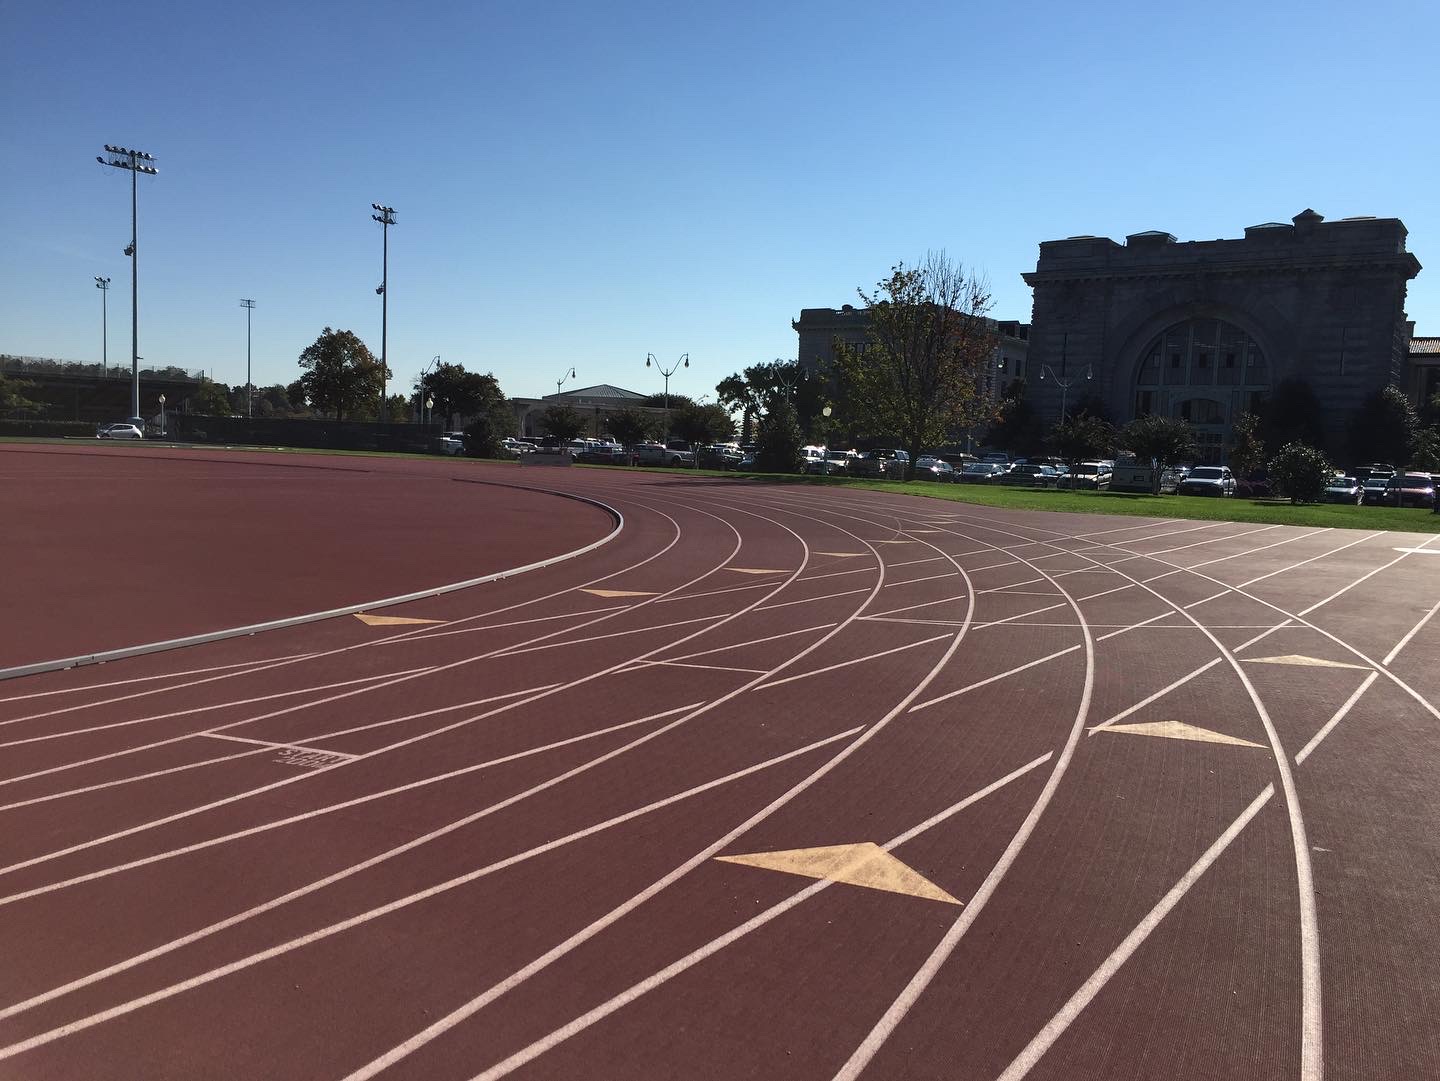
(123, 430)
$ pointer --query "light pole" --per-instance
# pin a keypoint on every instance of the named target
(683, 362)
(421, 392)
(162, 414)
(560, 382)
(249, 306)
(103, 284)
(386, 218)
(136, 162)
(1063, 384)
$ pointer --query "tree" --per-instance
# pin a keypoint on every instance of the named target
(929, 347)
(662, 401)
(562, 422)
(1082, 436)
(1300, 472)
(1247, 449)
(1163, 441)
(455, 390)
(631, 426)
(1019, 428)
(1426, 453)
(13, 395)
(341, 374)
(752, 391)
(777, 446)
(212, 399)
(702, 423)
(484, 433)
(1291, 414)
(1383, 428)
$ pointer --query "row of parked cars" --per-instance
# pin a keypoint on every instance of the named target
(1383, 485)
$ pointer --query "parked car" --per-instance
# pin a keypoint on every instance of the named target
(931, 468)
(867, 465)
(895, 463)
(1094, 475)
(518, 446)
(1375, 488)
(720, 456)
(120, 430)
(601, 452)
(1362, 473)
(451, 443)
(1344, 490)
(810, 455)
(659, 454)
(1132, 476)
(1214, 480)
(1410, 490)
(982, 472)
(1027, 475)
(835, 464)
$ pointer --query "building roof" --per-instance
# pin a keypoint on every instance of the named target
(603, 390)
(1425, 347)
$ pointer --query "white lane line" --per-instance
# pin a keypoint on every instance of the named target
(995, 678)
(1022, 615)
(515, 651)
(715, 592)
(354, 921)
(997, 566)
(811, 600)
(838, 574)
(914, 622)
(751, 642)
(151, 679)
(371, 797)
(211, 707)
(854, 661)
(276, 746)
(715, 945)
(397, 641)
(922, 604)
(1046, 1037)
(707, 667)
(917, 581)
(1341, 592)
(1161, 693)
(1338, 716)
(930, 559)
(1412, 633)
(132, 778)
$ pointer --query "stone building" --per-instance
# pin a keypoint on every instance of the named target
(819, 328)
(1203, 329)
(596, 403)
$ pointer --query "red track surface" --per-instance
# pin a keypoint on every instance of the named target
(490, 846)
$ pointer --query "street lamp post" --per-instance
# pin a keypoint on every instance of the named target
(103, 284)
(683, 362)
(162, 414)
(135, 162)
(1063, 384)
(561, 381)
(421, 392)
(249, 306)
(386, 218)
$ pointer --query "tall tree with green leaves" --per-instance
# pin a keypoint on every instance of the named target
(213, 399)
(631, 426)
(1383, 428)
(751, 392)
(13, 395)
(562, 422)
(457, 391)
(341, 374)
(1162, 441)
(1247, 449)
(920, 376)
(702, 423)
(777, 444)
(1081, 437)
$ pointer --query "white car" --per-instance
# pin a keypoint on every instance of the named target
(452, 443)
(123, 430)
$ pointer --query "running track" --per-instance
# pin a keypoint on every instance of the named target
(1093, 798)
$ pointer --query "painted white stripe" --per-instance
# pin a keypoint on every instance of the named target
(1412, 633)
(995, 678)
(1312, 559)
(853, 661)
(1338, 716)
(707, 667)
(288, 746)
(150, 679)
(397, 641)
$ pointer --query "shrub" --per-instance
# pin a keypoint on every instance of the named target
(777, 447)
(1300, 472)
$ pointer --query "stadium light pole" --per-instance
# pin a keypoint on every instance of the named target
(249, 306)
(684, 362)
(103, 284)
(386, 217)
(135, 162)
(568, 374)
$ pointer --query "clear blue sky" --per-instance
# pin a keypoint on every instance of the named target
(585, 183)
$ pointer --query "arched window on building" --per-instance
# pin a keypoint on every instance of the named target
(1205, 371)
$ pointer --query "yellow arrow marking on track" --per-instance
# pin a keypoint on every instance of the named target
(391, 621)
(608, 593)
(1312, 662)
(1176, 730)
(864, 864)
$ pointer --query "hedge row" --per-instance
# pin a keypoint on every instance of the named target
(74, 428)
